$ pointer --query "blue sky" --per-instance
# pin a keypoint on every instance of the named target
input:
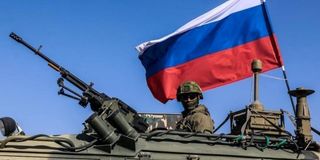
(96, 41)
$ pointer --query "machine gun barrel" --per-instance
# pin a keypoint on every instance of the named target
(108, 109)
(64, 73)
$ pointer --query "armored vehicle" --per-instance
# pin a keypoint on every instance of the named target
(116, 131)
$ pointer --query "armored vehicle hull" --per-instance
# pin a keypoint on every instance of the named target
(154, 145)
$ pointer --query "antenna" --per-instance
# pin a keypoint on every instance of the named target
(256, 67)
(254, 119)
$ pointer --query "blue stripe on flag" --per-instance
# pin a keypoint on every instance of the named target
(206, 39)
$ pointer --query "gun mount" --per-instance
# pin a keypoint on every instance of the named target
(113, 119)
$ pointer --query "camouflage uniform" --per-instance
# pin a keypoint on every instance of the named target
(196, 118)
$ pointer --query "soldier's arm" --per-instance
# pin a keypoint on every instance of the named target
(202, 123)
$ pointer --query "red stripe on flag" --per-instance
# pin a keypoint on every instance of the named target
(215, 69)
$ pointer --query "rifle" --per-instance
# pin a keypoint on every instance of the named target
(110, 112)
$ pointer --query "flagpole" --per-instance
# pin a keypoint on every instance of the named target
(288, 88)
(276, 49)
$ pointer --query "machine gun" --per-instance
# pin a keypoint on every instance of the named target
(112, 119)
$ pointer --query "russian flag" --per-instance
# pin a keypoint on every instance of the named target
(214, 49)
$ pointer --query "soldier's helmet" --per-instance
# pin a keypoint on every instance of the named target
(188, 87)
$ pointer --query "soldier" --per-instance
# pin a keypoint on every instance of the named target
(195, 117)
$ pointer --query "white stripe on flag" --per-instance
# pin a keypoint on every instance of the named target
(213, 15)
